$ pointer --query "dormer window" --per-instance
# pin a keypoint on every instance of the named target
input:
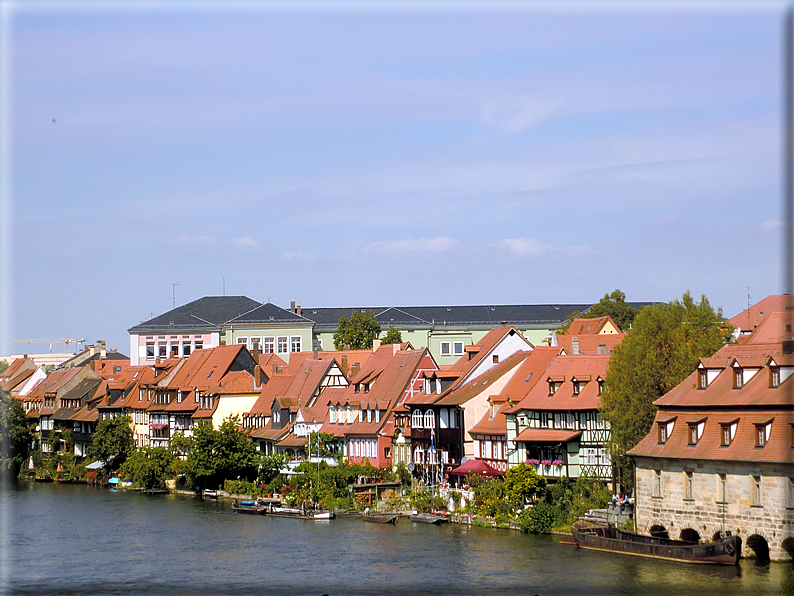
(762, 432)
(662, 433)
(727, 433)
(695, 431)
(577, 387)
(355, 388)
(774, 377)
(552, 387)
(600, 386)
(703, 379)
(738, 378)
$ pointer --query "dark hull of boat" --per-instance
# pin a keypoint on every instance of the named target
(597, 536)
(390, 518)
(425, 518)
(251, 510)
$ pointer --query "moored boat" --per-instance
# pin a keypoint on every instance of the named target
(427, 518)
(249, 507)
(599, 536)
(380, 518)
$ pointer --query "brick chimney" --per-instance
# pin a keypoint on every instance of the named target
(257, 377)
(292, 306)
(343, 366)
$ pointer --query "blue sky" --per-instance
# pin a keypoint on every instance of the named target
(364, 154)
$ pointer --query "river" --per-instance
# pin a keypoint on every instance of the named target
(76, 539)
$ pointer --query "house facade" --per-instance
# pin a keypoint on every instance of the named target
(719, 456)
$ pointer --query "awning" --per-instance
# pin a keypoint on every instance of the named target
(475, 466)
(540, 435)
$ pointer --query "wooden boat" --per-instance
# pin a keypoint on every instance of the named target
(599, 536)
(299, 514)
(380, 518)
(427, 518)
(249, 507)
(210, 493)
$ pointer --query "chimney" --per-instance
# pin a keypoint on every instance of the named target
(354, 369)
(344, 364)
(574, 345)
(394, 349)
(257, 377)
(292, 306)
(275, 368)
(315, 353)
(375, 345)
(299, 309)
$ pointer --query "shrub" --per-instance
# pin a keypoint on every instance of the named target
(540, 519)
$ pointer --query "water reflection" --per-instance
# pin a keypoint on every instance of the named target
(76, 540)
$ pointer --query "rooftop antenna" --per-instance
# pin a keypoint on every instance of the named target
(748, 306)
(173, 295)
(224, 286)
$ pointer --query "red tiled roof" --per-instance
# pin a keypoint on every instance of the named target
(540, 435)
(565, 369)
(589, 326)
(709, 447)
(750, 318)
(475, 387)
(492, 426)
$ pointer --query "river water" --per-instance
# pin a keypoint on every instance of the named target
(75, 539)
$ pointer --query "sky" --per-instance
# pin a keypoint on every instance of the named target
(381, 154)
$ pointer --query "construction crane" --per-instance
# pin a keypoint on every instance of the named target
(52, 340)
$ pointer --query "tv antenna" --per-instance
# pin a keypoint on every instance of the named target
(173, 295)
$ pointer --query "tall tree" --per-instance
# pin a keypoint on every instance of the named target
(218, 455)
(358, 332)
(15, 436)
(393, 336)
(659, 352)
(613, 305)
(3, 366)
(112, 438)
(148, 466)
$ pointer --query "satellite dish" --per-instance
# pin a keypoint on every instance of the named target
(411, 467)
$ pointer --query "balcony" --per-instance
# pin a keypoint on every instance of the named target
(548, 468)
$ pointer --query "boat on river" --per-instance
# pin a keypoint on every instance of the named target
(380, 518)
(427, 518)
(599, 536)
(300, 514)
(249, 507)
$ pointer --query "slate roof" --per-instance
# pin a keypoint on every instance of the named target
(454, 316)
(269, 313)
(205, 314)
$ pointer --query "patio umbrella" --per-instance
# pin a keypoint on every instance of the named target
(475, 466)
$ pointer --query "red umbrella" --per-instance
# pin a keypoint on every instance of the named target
(475, 466)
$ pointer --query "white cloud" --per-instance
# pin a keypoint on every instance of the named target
(298, 256)
(411, 246)
(512, 113)
(533, 247)
(526, 246)
(772, 225)
(246, 241)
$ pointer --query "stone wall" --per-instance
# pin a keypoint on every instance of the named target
(743, 511)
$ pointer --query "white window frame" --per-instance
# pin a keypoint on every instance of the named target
(457, 348)
(282, 344)
(295, 341)
(446, 348)
(269, 345)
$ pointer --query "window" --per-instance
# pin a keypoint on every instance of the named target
(186, 348)
(295, 343)
(703, 379)
(727, 432)
(738, 377)
(689, 485)
(774, 380)
(332, 413)
(722, 483)
(600, 386)
(495, 358)
(696, 431)
(445, 348)
(577, 386)
(174, 352)
(242, 340)
(457, 348)
(282, 345)
(429, 419)
(755, 487)
(416, 419)
(199, 344)
(762, 434)
(269, 345)
(657, 485)
(552, 387)
(161, 350)
(256, 343)
(662, 433)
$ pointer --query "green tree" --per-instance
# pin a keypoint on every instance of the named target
(322, 441)
(358, 332)
(523, 484)
(3, 366)
(659, 352)
(217, 455)
(112, 438)
(15, 436)
(613, 305)
(148, 466)
(393, 336)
